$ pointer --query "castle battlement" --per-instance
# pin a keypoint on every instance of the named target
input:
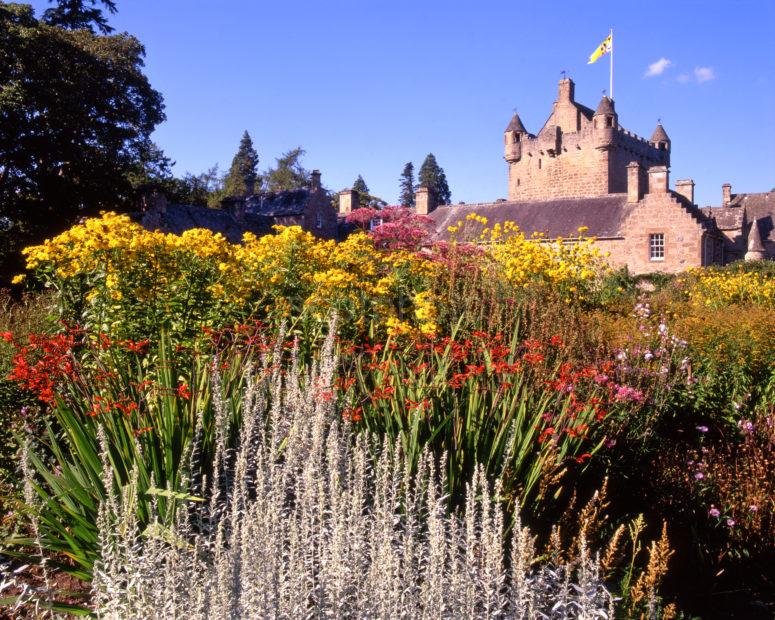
(578, 151)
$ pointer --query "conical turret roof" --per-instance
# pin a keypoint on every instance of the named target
(606, 106)
(516, 124)
(659, 135)
(755, 238)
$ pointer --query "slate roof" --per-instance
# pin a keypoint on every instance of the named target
(278, 204)
(516, 124)
(561, 217)
(606, 106)
(659, 135)
(179, 218)
(726, 219)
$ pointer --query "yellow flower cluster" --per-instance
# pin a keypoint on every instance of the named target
(715, 288)
(573, 263)
(425, 312)
(123, 270)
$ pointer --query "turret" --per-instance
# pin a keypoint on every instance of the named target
(513, 137)
(659, 138)
(755, 246)
(605, 121)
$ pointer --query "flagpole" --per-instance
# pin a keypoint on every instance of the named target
(611, 84)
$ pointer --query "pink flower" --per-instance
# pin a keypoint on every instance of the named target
(699, 475)
(702, 429)
(625, 393)
(730, 522)
(714, 512)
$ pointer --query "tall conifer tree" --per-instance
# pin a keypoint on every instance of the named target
(406, 196)
(360, 185)
(241, 179)
(432, 176)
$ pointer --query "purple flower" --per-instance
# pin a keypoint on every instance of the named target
(753, 508)
(699, 475)
(730, 522)
(714, 512)
(702, 428)
(610, 443)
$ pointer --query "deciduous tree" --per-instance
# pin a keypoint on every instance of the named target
(288, 173)
(76, 115)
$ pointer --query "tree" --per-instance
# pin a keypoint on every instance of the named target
(241, 179)
(74, 15)
(432, 176)
(76, 115)
(406, 181)
(360, 185)
(288, 173)
(203, 190)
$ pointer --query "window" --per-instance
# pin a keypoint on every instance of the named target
(319, 220)
(375, 222)
(657, 246)
(609, 121)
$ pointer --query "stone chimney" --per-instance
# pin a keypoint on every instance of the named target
(424, 201)
(658, 180)
(634, 186)
(726, 194)
(348, 200)
(685, 187)
(567, 90)
(315, 184)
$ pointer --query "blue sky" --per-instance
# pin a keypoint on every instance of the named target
(365, 86)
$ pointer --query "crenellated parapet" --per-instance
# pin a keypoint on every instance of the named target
(578, 150)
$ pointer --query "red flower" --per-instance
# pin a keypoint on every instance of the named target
(183, 391)
(7, 336)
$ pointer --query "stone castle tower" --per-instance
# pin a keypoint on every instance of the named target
(578, 152)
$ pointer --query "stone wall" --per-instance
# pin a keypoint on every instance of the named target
(684, 237)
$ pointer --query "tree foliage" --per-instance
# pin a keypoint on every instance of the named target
(76, 114)
(406, 181)
(288, 173)
(360, 185)
(75, 15)
(432, 176)
(242, 175)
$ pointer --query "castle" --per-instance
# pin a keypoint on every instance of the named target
(583, 169)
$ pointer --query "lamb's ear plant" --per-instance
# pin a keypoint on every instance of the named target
(321, 522)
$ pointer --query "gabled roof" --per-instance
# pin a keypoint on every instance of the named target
(516, 124)
(659, 135)
(560, 217)
(275, 204)
(726, 218)
(177, 219)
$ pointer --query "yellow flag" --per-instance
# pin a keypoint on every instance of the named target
(601, 50)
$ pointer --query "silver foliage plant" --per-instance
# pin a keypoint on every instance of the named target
(305, 519)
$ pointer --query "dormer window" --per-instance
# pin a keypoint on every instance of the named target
(516, 137)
